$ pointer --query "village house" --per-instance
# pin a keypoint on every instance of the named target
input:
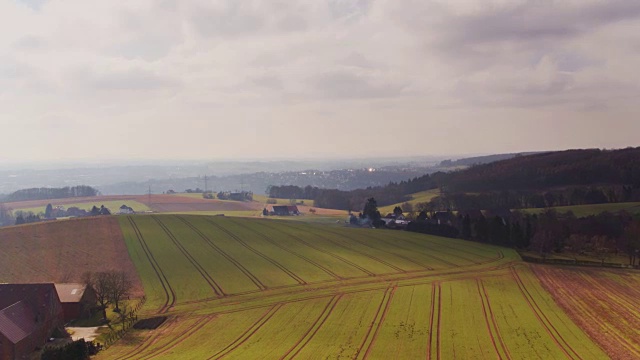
(125, 210)
(284, 210)
(29, 315)
(77, 300)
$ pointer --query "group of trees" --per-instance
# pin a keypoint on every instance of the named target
(26, 217)
(111, 288)
(51, 193)
(76, 350)
(600, 235)
(6, 216)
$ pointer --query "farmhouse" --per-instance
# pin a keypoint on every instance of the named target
(285, 210)
(124, 209)
(77, 300)
(29, 315)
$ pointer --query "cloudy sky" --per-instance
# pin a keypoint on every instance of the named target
(193, 79)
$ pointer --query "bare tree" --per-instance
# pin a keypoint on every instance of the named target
(100, 282)
(110, 287)
(120, 288)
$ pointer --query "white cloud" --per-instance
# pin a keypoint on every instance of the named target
(314, 70)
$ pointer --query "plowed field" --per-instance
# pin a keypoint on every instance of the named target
(61, 251)
(603, 302)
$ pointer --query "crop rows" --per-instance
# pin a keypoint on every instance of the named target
(311, 292)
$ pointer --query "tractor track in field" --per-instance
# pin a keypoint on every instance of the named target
(431, 256)
(180, 339)
(170, 295)
(377, 284)
(488, 259)
(542, 318)
(215, 247)
(275, 243)
(434, 321)
(374, 258)
(338, 257)
(290, 273)
(246, 335)
(378, 320)
(217, 289)
(434, 247)
(382, 250)
(490, 319)
(313, 329)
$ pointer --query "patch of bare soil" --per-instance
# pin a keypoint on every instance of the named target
(151, 323)
(603, 302)
(61, 251)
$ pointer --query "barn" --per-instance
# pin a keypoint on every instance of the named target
(283, 210)
(29, 315)
(77, 300)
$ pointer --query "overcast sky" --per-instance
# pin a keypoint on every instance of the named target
(338, 78)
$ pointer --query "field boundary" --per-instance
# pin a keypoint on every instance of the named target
(166, 286)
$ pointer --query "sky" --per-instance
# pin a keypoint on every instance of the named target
(228, 79)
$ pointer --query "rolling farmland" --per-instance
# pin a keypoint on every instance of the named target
(248, 288)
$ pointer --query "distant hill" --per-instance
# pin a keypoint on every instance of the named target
(479, 160)
(548, 170)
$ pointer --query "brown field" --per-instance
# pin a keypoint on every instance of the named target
(61, 251)
(177, 203)
(55, 202)
(604, 303)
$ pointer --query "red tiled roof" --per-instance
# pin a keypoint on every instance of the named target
(17, 321)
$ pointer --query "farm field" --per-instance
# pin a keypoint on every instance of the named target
(61, 251)
(419, 197)
(239, 288)
(610, 296)
(594, 209)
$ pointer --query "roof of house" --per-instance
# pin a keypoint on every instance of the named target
(292, 208)
(38, 295)
(70, 292)
(17, 321)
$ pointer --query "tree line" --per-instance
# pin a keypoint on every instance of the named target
(51, 193)
(51, 213)
(602, 235)
(523, 199)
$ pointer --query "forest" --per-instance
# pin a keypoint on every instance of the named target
(44, 193)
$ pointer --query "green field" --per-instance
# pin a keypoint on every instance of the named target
(266, 289)
(420, 197)
(263, 199)
(113, 205)
(595, 209)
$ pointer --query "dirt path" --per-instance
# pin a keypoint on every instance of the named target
(87, 333)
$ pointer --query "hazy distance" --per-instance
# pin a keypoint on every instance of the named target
(126, 80)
